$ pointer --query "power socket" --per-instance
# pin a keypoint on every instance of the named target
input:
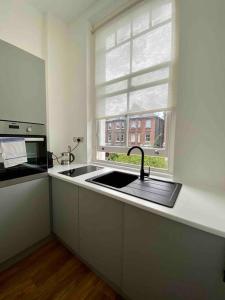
(78, 138)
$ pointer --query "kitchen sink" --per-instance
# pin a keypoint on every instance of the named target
(158, 191)
(115, 179)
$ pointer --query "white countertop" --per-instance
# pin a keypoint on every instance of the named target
(202, 208)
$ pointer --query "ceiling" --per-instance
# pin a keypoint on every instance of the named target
(68, 10)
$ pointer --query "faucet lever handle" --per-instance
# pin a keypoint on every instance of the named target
(148, 173)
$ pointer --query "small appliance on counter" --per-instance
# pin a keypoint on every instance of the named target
(67, 158)
(50, 159)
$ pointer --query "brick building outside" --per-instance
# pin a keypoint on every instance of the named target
(142, 131)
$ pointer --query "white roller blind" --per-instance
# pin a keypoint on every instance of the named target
(133, 61)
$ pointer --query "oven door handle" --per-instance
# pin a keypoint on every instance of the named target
(34, 139)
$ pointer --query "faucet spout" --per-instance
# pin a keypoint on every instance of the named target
(142, 171)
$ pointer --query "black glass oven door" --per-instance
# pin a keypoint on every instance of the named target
(36, 160)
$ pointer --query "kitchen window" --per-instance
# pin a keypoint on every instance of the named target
(109, 138)
(133, 79)
(132, 138)
(117, 125)
(118, 138)
(133, 124)
(148, 124)
(139, 138)
(147, 137)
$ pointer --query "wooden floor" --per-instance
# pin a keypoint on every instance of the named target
(52, 272)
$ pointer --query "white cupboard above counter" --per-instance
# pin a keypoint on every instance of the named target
(22, 85)
(199, 207)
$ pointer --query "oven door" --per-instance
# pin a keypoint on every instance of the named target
(36, 160)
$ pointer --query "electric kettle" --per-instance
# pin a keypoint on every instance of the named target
(67, 158)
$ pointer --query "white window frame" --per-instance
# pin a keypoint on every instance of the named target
(164, 152)
(171, 115)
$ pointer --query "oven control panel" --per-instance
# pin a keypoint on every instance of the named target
(20, 128)
(14, 126)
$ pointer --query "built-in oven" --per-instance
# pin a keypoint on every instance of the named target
(36, 150)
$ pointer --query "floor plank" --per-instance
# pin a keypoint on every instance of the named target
(52, 272)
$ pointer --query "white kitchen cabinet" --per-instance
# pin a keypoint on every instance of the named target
(22, 85)
(164, 259)
(65, 212)
(144, 255)
(24, 216)
(100, 219)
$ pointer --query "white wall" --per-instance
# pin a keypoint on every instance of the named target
(22, 25)
(79, 85)
(59, 104)
(200, 130)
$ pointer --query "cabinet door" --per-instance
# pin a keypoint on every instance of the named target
(22, 85)
(100, 221)
(164, 259)
(65, 212)
(24, 216)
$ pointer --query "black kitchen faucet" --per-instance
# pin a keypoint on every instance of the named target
(143, 174)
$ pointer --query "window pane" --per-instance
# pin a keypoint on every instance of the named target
(116, 105)
(148, 123)
(112, 132)
(118, 62)
(110, 41)
(151, 98)
(152, 48)
(150, 133)
(123, 33)
(134, 159)
(161, 14)
(150, 77)
(141, 23)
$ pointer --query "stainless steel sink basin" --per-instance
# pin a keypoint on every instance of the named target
(153, 190)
